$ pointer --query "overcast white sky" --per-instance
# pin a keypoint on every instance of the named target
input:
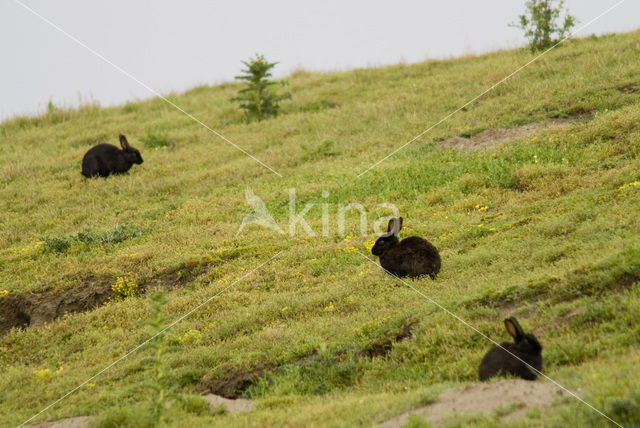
(173, 46)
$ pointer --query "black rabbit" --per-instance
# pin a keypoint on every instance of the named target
(500, 362)
(105, 159)
(412, 257)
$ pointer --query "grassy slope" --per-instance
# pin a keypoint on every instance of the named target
(555, 246)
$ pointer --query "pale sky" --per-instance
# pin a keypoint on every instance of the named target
(173, 46)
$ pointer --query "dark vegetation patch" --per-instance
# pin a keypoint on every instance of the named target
(180, 275)
(319, 372)
(614, 274)
(318, 105)
(322, 150)
(573, 113)
(622, 410)
(630, 88)
(380, 347)
(89, 236)
(155, 140)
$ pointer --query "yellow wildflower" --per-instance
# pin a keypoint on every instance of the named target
(42, 374)
(369, 244)
(191, 336)
(126, 287)
(632, 184)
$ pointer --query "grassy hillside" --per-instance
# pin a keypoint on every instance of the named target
(544, 227)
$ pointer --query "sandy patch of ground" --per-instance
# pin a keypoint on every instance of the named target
(215, 402)
(493, 137)
(231, 406)
(484, 398)
(77, 422)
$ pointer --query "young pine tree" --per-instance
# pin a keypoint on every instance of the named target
(258, 99)
(540, 23)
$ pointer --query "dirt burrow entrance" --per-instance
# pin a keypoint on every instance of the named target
(231, 381)
(30, 309)
(514, 397)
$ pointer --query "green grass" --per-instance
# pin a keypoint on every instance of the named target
(558, 244)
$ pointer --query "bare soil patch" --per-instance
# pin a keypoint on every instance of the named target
(30, 309)
(485, 399)
(230, 406)
(34, 309)
(493, 137)
(77, 422)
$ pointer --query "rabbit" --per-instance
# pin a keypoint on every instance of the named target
(105, 159)
(526, 347)
(410, 257)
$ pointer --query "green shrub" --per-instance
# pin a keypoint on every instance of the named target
(626, 412)
(258, 99)
(154, 141)
(119, 233)
(57, 244)
(322, 150)
(540, 23)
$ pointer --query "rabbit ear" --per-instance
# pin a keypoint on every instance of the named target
(394, 227)
(124, 143)
(400, 224)
(392, 222)
(513, 327)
